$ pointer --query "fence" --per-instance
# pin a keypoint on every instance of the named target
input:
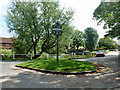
(45, 56)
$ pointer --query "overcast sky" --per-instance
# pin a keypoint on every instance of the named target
(82, 18)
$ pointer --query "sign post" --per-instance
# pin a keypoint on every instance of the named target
(57, 48)
(57, 30)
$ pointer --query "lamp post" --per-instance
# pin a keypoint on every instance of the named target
(57, 30)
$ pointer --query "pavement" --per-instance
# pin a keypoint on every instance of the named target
(12, 77)
(112, 53)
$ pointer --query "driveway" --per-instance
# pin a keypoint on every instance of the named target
(22, 78)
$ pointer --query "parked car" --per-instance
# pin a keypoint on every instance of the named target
(100, 53)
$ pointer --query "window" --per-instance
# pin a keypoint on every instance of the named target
(6, 44)
(0, 44)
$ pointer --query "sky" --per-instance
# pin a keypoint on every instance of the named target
(82, 18)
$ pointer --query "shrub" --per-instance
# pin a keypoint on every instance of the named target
(6, 54)
(77, 51)
(43, 57)
(86, 52)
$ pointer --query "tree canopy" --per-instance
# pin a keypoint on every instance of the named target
(109, 13)
(32, 22)
(78, 39)
(107, 43)
(91, 38)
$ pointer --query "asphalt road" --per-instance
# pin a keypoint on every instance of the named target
(21, 78)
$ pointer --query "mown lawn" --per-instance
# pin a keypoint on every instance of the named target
(61, 65)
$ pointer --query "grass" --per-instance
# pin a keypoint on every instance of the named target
(61, 65)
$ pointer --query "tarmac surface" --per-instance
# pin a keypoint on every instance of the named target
(12, 77)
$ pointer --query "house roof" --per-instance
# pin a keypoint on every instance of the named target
(6, 40)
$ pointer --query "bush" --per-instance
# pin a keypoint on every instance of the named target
(112, 49)
(88, 56)
(77, 51)
(43, 57)
(86, 52)
(6, 54)
(2, 48)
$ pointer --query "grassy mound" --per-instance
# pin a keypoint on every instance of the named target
(61, 65)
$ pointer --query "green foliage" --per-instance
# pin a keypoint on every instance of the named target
(107, 43)
(19, 46)
(87, 52)
(64, 40)
(91, 38)
(77, 51)
(52, 50)
(62, 65)
(32, 22)
(43, 57)
(2, 48)
(6, 53)
(109, 12)
(103, 47)
(77, 39)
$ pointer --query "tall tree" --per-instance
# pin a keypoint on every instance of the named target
(109, 13)
(91, 38)
(78, 39)
(32, 22)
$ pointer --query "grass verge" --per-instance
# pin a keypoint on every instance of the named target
(60, 66)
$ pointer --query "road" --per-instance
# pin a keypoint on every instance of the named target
(112, 53)
(21, 78)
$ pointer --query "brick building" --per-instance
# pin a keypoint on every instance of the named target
(6, 43)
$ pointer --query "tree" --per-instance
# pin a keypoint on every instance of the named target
(64, 40)
(109, 13)
(32, 22)
(19, 46)
(78, 39)
(91, 38)
(107, 43)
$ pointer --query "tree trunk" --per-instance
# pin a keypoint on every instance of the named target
(29, 49)
(44, 48)
(77, 48)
